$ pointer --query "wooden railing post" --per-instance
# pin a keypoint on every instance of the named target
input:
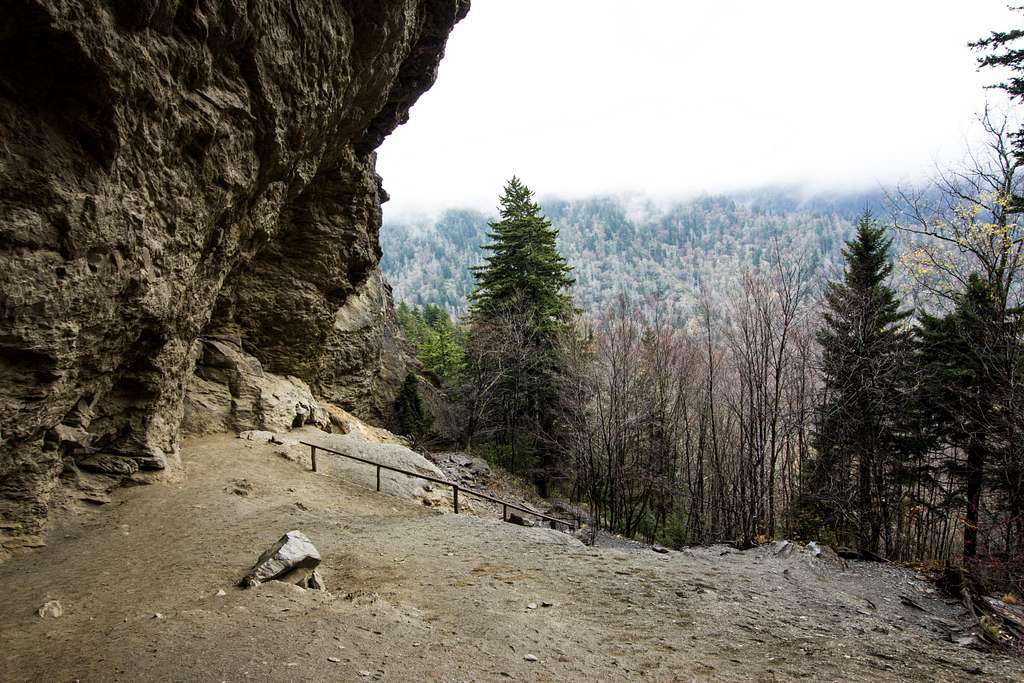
(504, 512)
(378, 478)
(312, 456)
(455, 497)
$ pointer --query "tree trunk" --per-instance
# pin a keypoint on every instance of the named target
(974, 474)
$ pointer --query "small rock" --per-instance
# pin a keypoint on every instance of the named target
(51, 608)
(530, 658)
(157, 615)
(315, 581)
(292, 551)
(221, 593)
(364, 674)
(968, 640)
(513, 518)
(783, 549)
(333, 659)
(547, 604)
(241, 487)
(532, 605)
(659, 549)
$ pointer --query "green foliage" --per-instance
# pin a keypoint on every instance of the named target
(960, 353)
(968, 367)
(674, 534)
(865, 368)
(519, 311)
(524, 268)
(412, 418)
(439, 342)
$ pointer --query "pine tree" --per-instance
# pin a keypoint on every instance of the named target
(438, 341)
(441, 346)
(411, 417)
(864, 366)
(518, 311)
(1001, 52)
(524, 270)
(965, 380)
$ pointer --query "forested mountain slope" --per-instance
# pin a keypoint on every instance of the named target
(617, 244)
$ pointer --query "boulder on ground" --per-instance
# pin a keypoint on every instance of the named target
(345, 422)
(293, 551)
(585, 534)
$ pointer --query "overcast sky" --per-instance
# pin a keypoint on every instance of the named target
(675, 97)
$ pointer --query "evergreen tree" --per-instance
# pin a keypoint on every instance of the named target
(524, 269)
(860, 440)
(441, 346)
(411, 417)
(1001, 51)
(518, 311)
(438, 341)
(965, 379)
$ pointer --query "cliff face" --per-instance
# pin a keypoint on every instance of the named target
(177, 169)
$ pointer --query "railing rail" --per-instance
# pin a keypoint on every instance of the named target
(456, 488)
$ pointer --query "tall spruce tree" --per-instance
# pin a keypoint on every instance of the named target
(412, 418)
(524, 270)
(859, 440)
(965, 381)
(521, 297)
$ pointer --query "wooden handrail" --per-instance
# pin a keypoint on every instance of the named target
(443, 482)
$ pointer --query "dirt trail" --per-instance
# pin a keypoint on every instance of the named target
(421, 595)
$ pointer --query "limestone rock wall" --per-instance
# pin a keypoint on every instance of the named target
(230, 392)
(173, 168)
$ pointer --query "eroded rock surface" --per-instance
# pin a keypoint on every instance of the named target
(230, 392)
(171, 169)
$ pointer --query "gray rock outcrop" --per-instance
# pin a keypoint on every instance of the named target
(230, 392)
(171, 169)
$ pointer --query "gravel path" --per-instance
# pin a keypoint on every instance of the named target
(417, 594)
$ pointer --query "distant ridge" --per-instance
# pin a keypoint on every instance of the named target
(644, 248)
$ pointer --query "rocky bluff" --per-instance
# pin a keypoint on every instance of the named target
(183, 182)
